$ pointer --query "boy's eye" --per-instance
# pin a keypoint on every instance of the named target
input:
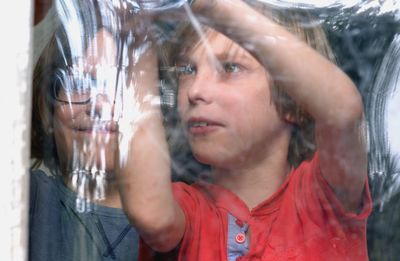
(185, 70)
(231, 67)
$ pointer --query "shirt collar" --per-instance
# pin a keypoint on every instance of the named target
(224, 198)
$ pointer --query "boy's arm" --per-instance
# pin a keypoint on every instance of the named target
(315, 83)
(144, 176)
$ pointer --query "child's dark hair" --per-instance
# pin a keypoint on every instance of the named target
(56, 55)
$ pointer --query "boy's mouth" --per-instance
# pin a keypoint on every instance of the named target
(203, 126)
(198, 124)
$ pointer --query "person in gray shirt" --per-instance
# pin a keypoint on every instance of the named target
(75, 208)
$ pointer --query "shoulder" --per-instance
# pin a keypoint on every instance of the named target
(193, 199)
(309, 172)
(180, 188)
(197, 190)
(306, 173)
(315, 194)
(44, 217)
(43, 192)
(186, 195)
(39, 178)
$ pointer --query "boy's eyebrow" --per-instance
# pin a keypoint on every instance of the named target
(221, 57)
(229, 56)
(230, 53)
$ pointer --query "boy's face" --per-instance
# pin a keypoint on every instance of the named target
(86, 133)
(225, 104)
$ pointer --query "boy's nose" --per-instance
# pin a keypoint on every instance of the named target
(201, 88)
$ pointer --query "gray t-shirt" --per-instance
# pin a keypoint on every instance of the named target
(58, 231)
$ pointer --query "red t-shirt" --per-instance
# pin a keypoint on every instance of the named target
(303, 220)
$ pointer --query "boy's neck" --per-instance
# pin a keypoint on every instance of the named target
(256, 182)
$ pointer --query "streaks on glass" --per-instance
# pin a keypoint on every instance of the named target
(90, 38)
(360, 32)
(383, 108)
(155, 5)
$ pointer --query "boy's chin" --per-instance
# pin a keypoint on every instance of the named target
(213, 159)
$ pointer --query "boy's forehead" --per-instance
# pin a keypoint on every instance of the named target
(216, 44)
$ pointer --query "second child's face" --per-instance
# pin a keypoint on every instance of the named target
(225, 104)
(83, 142)
(86, 134)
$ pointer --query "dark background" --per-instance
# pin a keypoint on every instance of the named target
(360, 40)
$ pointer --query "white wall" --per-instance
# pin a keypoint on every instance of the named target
(15, 102)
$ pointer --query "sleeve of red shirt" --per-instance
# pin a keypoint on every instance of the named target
(313, 192)
(188, 199)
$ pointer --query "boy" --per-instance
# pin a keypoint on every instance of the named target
(256, 205)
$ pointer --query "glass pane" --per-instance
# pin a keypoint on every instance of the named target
(214, 130)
